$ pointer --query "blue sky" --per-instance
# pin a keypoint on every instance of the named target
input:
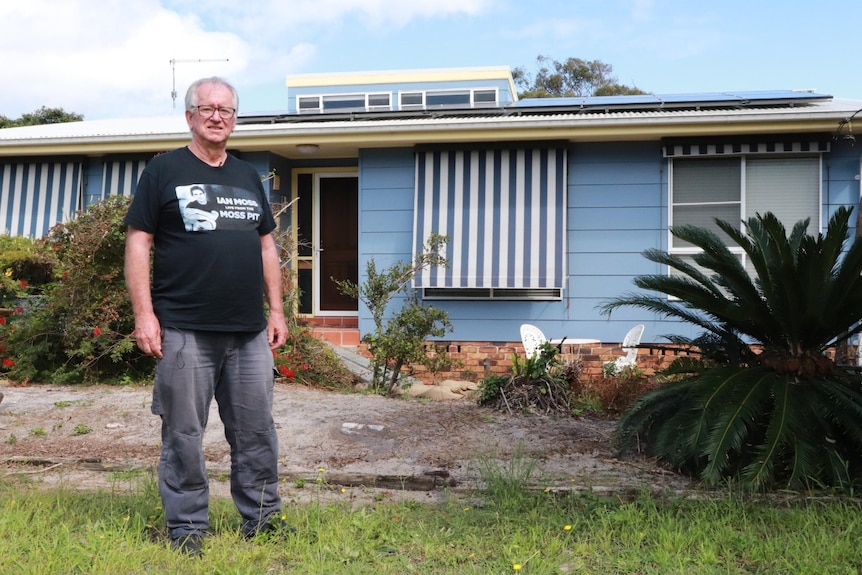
(112, 58)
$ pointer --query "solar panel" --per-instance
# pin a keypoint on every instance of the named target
(683, 100)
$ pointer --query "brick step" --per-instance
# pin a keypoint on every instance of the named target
(340, 336)
(331, 321)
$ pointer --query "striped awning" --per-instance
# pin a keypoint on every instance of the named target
(686, 150)
(504, 211)
(120, 178)
(36, 196)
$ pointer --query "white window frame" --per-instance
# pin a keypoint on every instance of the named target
(816, 219)
(322, 99)
(471, 93)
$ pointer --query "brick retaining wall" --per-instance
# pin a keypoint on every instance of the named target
(482, 358)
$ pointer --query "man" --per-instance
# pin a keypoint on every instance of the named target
(203, 318)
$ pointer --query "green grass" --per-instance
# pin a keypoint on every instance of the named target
(121, 530)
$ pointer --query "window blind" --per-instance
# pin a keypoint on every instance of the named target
(504, 212)
(120, 178)
(36, 196)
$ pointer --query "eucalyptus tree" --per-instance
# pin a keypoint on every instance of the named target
(569, 78)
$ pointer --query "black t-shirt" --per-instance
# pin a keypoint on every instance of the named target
(207, 222)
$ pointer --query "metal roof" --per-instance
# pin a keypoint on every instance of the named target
(342, 135)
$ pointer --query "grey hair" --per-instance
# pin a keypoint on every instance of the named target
(192, 92)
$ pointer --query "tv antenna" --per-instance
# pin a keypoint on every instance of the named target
(174, 63)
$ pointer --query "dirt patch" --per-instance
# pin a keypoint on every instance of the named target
(366, 445)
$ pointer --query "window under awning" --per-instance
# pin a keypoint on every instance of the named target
(504, 211)
(120, 178)
(36, 196)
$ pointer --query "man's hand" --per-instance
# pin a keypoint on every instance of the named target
(276, 329)
(148, 335)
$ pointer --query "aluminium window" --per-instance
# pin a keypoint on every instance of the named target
(452, 98)
(344, 102)
(736, 188)
(306, 104)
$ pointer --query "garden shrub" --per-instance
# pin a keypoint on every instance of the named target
(762, 406)
(80, 327)
(23, 269)
(307, 360)
(22, 260)
(615, 393)
(399, 338)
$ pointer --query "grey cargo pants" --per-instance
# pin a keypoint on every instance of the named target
(236, 369)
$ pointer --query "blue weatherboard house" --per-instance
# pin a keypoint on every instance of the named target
(548, 203)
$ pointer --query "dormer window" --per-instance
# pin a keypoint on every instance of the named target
(344, 103)
(446, 98)
(412, 100)
(455, 98)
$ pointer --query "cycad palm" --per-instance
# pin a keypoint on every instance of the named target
(762, 404)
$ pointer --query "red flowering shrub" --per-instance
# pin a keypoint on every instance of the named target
(309, 361)
(6, 327)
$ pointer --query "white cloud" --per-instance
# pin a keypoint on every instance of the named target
(101, 58)
(110, 58)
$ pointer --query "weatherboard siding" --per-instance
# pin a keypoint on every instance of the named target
(616, 208)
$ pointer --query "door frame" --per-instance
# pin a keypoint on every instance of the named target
(318, 174)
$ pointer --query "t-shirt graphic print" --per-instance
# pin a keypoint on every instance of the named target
(206, 207)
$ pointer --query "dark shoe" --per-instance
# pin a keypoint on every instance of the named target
(273, 528)
(191, 545)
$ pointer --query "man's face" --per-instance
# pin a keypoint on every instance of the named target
(212, 129)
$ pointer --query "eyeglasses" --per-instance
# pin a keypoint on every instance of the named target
(207, 111)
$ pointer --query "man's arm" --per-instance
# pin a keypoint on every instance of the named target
(137, 269)
(276, 328)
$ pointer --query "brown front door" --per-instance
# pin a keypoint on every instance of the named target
(338, 213)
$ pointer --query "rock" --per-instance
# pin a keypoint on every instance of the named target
(446, 389)
(350, 428)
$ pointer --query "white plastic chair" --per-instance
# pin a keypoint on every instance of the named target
(533, 338)
(630, 347)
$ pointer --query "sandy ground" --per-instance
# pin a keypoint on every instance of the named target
(368, 447)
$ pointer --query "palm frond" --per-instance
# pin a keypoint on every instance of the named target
(636, 426)
(760, 472)
(734, 423)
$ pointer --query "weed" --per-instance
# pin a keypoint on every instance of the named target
(77, 402)
(506, 482)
